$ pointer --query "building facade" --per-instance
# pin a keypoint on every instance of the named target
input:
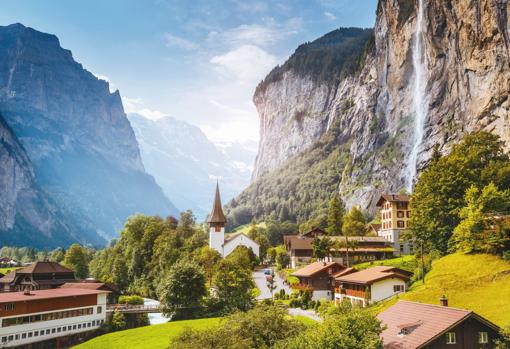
(49, 315)
(37, 276)
(395, 216)
(371, 285)
(217, 240)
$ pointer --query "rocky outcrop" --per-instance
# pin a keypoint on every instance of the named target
(465, 60)
(75, 132)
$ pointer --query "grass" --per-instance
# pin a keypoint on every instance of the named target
(478, 282)
(406, 262)
(147, 337)
(7, 270)
(246, 228)
(156, 336)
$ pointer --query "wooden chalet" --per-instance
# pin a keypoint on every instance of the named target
(411, 325)
(37, 276)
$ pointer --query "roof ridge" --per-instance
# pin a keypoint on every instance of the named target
(437, 306)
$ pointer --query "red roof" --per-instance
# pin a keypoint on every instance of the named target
(424, 323)
(314, 268)
(46, 294)
(393, 198)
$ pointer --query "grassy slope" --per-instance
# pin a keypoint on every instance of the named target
(7, 270)
(405, 262)
(153, 337)
(477, 282)
(246, 228)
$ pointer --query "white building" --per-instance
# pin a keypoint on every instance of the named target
(217, 239)
(371, 285)
(45, 315)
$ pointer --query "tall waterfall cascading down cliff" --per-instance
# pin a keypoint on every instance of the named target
(419, 98)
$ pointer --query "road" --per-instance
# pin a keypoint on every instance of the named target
(308, 313)
(260, 281)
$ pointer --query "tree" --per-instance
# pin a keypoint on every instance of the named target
(355, 329)
(57, 255)
(261, 327)
(482, 229)
(321, 247)
(336, 211)
(182, 291)
(77, 258)
(354, 225)
(118, 321)
(208, 258)
(233, 285)
(281, 257)
(439, 194)
(504, 341)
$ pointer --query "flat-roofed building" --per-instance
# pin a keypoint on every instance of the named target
(49, 315)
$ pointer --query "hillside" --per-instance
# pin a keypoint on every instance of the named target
(371, 128)
(477, 282)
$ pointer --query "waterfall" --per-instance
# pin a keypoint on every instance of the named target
(419, 97)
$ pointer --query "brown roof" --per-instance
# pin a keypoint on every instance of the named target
(375, 226)
(313, 232)
(217, 215)
(44, 268)
(346, 271)
(46, 294)
(392, 198)
(371, 275)
(425, 322)
(314, 268)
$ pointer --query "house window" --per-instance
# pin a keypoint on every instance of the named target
(408, 214)
(99, 309)
(400, 224)
(483, 337)
(450, 338)
(402, 248)
(398, 288)
(9, 306)
(400, 214)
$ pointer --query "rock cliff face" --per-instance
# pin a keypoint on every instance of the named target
(454, 66)
(83, 150)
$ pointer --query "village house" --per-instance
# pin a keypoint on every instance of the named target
(54, 316)
(395, 216)
(411, 325)
(319, 278)
(37, 276)
(217, 240)
(371, 285)
(363, 248)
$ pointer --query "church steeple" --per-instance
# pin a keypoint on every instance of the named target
(217, 217)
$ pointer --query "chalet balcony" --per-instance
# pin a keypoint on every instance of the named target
(301, 287)
(349, 292)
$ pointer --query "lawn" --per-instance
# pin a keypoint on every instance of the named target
(148, 337)
(406, 262)
(7, 270)
(246, 228)
(477, 282)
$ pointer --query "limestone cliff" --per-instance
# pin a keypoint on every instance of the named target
(75, 133)
(451, 66)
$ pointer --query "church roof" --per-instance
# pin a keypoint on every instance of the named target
(217, 215)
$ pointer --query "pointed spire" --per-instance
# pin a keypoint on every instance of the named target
(217, 216)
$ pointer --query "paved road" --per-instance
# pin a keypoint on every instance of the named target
(260, 281)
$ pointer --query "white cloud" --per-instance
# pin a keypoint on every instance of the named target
(172, 40)
(329, 16)
(111, 85)
(246, 64)
(268, 33)
(232, 131)
(137, 105)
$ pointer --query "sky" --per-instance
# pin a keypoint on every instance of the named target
(197, 61)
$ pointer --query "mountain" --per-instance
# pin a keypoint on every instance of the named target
(186, 164)
(81, 147)
(359, 112)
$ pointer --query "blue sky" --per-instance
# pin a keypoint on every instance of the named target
(198, 61)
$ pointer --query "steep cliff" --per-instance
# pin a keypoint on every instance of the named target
(437, 69)
(75, 132)
(27, 215)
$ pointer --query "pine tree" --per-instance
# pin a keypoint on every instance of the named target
(336, 211)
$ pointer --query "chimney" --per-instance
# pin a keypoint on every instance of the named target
(443, 301)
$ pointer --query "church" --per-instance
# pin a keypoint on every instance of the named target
(217, 240)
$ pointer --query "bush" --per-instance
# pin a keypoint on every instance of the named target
(133, 300)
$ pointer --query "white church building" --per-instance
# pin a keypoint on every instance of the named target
(217, 240)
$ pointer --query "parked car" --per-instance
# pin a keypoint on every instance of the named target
(267, 271)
